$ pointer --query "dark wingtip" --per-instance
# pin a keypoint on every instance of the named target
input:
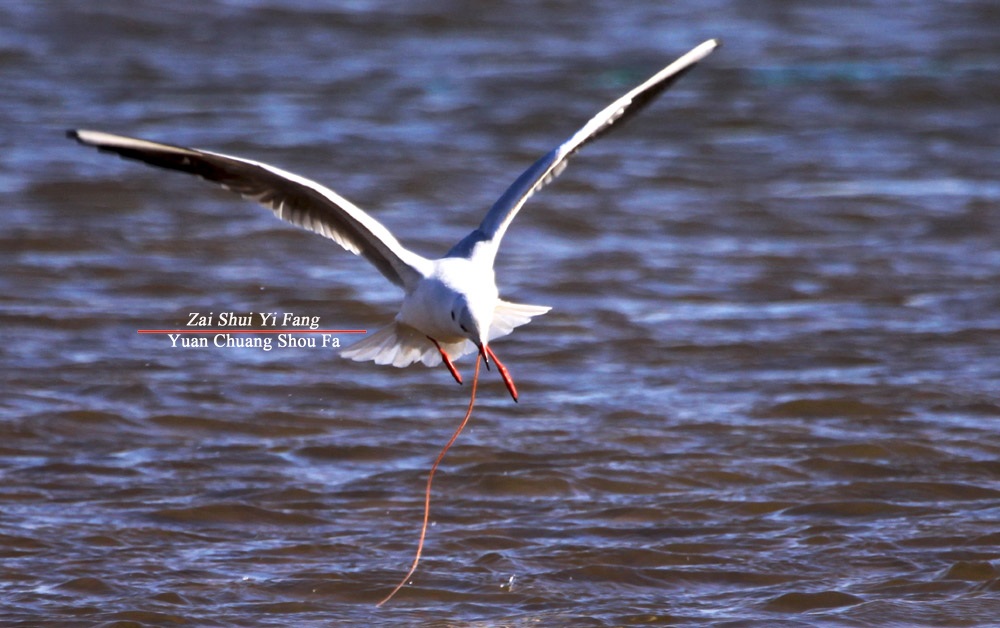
(73, 134)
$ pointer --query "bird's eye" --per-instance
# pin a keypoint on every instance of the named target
(464, 329)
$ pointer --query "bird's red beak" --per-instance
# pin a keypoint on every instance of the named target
(485, 352)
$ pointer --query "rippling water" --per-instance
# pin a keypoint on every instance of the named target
(768, 390)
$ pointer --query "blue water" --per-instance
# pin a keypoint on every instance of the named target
(766, 393)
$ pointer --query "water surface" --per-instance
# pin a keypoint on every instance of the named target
(767, 390)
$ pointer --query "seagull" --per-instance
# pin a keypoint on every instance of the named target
(451, 305)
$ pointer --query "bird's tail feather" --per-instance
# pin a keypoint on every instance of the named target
(401, 345)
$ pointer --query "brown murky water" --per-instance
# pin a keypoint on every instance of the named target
(768, 390)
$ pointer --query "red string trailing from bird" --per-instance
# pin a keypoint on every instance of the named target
(430, 479)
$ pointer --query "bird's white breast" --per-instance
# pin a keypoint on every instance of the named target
(429, 306)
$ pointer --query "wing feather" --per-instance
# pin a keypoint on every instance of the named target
(294, 199)
(543, 171)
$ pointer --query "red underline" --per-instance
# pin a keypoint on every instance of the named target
(252, 331)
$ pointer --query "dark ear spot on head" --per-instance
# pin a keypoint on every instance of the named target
(453, 315)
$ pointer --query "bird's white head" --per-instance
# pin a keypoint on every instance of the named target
(473, 322)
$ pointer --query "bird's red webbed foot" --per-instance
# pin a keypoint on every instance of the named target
(447, 361)
(504, 373)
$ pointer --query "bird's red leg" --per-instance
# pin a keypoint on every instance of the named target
(447, 361)
(504, 373)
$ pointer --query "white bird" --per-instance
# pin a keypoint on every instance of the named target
(451, 305)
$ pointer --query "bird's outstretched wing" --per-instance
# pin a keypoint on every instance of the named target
(495, 224)
(298, 200)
